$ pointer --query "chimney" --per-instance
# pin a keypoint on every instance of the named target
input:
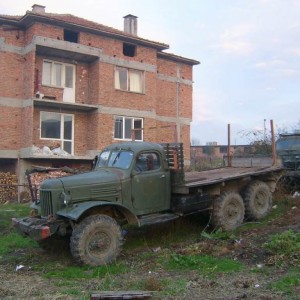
(130, 24)
(38, 8)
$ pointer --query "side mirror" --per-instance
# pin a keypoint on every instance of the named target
(95, 160)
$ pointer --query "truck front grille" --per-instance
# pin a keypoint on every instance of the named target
(46, 203)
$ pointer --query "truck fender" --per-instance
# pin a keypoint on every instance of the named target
(75, 211)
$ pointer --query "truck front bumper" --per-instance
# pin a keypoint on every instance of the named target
(36, 228)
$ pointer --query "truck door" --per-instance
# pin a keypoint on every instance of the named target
(150, 184)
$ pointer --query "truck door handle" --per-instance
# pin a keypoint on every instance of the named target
(162, 176)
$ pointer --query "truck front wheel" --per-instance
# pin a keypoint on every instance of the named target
(258, 200)
(228, 211)
(96, 241)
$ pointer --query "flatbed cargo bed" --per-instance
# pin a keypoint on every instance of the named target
(215, 176)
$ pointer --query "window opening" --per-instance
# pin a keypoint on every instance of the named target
(71, 36)
(129, 80)
(61, 75)
(58, 127)
(124, 126)
(129, 50)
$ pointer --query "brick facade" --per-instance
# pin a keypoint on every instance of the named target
(26, 42)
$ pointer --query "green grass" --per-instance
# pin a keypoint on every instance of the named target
(205, 264)
(85, 272)
(131, 271)
(13, 241)
(9, 211)
(10, 240)
(287, 283)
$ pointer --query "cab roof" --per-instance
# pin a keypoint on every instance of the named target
(135, 146)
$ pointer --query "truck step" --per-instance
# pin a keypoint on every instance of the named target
(157, 218)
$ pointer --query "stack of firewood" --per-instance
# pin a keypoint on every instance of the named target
(37, 178)
(8, 187)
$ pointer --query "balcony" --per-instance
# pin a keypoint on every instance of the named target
(45, 103)
(63, 49)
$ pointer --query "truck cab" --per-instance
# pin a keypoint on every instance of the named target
(143, 173)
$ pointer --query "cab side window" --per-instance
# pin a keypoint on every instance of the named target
(147, 161)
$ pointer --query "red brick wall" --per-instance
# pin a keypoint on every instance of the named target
(28, 128)
(13, 37)
(11, 75)
(10, 122)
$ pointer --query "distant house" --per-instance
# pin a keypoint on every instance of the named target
(69, 86)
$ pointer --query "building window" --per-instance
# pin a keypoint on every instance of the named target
(129, 50)
(129, 80)
(58, 127)
(128, 128)
(71, 36)
(58, 74)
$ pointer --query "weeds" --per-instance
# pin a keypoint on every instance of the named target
(219, 234)
(286, 243)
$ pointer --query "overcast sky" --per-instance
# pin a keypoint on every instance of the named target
(249, 53)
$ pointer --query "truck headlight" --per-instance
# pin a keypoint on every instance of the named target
(65, 198)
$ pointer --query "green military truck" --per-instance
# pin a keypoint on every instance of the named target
(288, 149)
(140, 183)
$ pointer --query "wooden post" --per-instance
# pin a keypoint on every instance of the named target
(273, 143)
(228, 146)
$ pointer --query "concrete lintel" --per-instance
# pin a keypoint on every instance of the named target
(9, 154)
(13, 102)
(128, 64)
(143, 114)
(174, 79)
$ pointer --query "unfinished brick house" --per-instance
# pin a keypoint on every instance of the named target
(75, 85)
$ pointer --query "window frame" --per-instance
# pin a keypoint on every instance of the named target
(53, 75)
(61, 139)
(129, 78)
(124, 133)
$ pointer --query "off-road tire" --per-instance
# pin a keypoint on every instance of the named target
(95, 241)
(258, 200)
(228, 211)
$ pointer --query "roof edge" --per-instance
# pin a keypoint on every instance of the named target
(177, 58)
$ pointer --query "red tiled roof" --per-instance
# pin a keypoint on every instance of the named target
(76, 21)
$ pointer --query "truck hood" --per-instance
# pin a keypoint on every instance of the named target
(90, 178)
(102, 185)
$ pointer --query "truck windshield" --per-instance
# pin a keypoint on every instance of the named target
(288, 144)
(115, 159)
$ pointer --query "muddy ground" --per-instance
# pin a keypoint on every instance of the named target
(30, 283)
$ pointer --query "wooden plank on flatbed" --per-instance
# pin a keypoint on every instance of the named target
(224, 174)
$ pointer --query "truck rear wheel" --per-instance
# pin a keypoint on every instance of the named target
(228, 211)
(96, 241)
(258, 200)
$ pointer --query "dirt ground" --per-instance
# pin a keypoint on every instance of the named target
(31, 284)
